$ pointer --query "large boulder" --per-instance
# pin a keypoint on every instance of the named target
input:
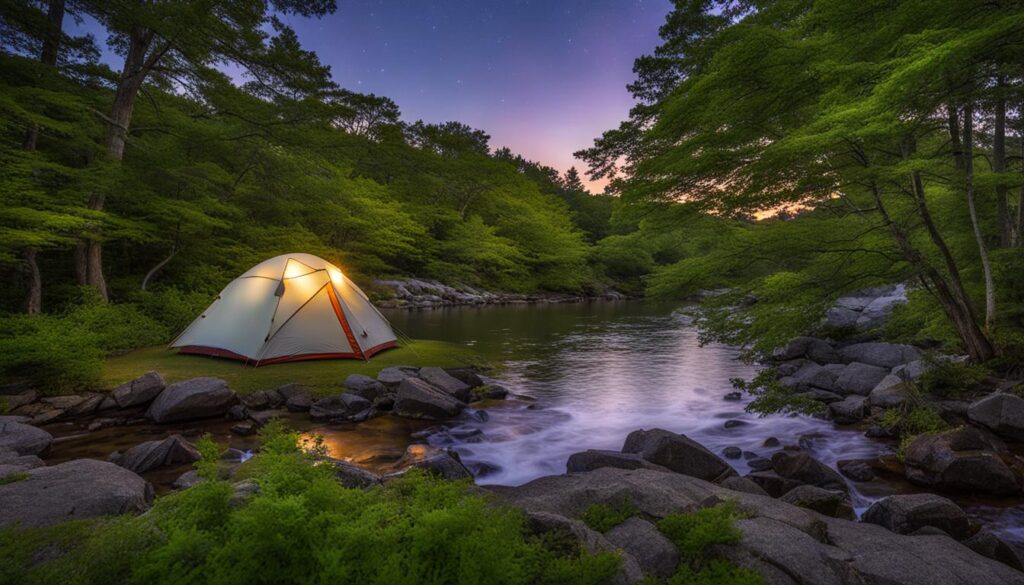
(810, 376)
(419, 399)
(139, 391)
(364, 386)
(446, 382)
(11, 462)
(153, 454)
(877, 312)
(592, 459)
(832, 503)
(889, 393)
(343, 407)
(987, 544)
(883, 355)
(904, 514)
(393, 376)
(860, 378)
(191, 399)
(555, 528)
(22, 438)
(849, 410)
(1003, 414)
(655, 554)
(799, 466)
(966, 458)
(82, 488)
(812, 348)
(441, 462)
(841, 318)
(677, 453)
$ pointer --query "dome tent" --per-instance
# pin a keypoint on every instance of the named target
(288, 308)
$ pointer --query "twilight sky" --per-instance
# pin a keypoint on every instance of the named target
(543, 77)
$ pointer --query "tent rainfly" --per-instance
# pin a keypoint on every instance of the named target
(289, 308)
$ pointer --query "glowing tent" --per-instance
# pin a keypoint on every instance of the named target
(289, 308)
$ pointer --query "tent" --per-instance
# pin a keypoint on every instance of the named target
(288, 308)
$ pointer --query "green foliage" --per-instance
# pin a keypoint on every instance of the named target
(771, 396)
(209, 460)
(920, 321)
(604, 517)
(12, 478)
(949, 379)
(693, 533)
(304, 527)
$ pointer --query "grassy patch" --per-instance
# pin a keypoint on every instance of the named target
(12, 478)
(604, 517)
(322, 376)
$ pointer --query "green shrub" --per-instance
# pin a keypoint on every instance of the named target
(304, 527)
(771, 396)
(950, 379)
(604, 517)
(693, 533)
(715, 572)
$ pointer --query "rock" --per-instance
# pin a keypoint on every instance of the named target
(849, 410)
(244, 429)
(62, 402)
(108, 404)
(449, 384)
(344, 407)
(418, 399)
(742, 484)
(910, 371)
(24, 439)
(904, 514)
(875, 314)
(772, 483)
(1003, 414)
(558, 529)
(232, 455)
(195, 398)
(811, 375)
(889, 393)
(856, 469)
(242, 491)
(262, 400)
(789, 368)
(351, 475)
(732, 452)
(89, 405)
(10, 402)
(153, 454)
(187, 480)
(960, 459)
(883, 355)
(237, 412)
(677, 453)
(299, 402)
(860, 378)
(828, 502)
(468, 376)
(733, 423)
(393, 376)
(47, 416)
(592, 459)
(733, 396)
(364, 386)
(491, 391)
(825, 396)
(799, 466)
(759, 464)
(841, 318)
(289, 390)
(442, 462)
(12, 463)
(655, 554)
(82, 488)
(139, 391)
(262, 418)
(812, 348)
(771, 442)
(988, 544)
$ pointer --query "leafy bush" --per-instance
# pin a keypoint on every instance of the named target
(693, 533)
(604, 517)
(771, 396)
(304, 527)
(950, 379)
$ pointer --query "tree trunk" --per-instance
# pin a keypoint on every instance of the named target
(953, 123)
(48, 56)
(986, 268)
(999, 166)
(34, 298)
(161, 264)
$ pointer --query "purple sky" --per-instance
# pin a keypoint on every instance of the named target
(543, 77)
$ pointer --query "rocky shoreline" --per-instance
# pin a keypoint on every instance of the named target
(415, 293)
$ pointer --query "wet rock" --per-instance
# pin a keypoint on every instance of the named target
(237, 412)
(789, 368)
(904, 514)
(772, 483)
(742, 484)
(244, 429)
(140, 391)
(812, 375)
(849, 410)
(418, 399)
(300, 402)
(734, 423)
(187, 480)
(593, 459)
(860, 378)
(732, 452)
(452, 386)
(351, 475)
(364, 386)
(24, 439)
(344, 407)
(491, 391)
(856, 469)
(191, 399)
(153, 454)
(760, 464)
(444, 463)
(733, 396)
(883, 355)
(889, 393)
(677, 453)
(771, 442)
(799, 466)
(82, 488)
(828, 502)
(1003, 414)
(655, 554)
(393, 376)
(825, 396)
(988, 544)
(468, 376)
(812, 348)
(261, 418)
(232, 455)
(960, 459)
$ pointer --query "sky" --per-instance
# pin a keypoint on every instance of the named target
(542, 77)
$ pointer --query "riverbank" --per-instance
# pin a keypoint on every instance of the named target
(416, 293)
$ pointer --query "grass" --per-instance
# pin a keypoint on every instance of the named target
(321, 376)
